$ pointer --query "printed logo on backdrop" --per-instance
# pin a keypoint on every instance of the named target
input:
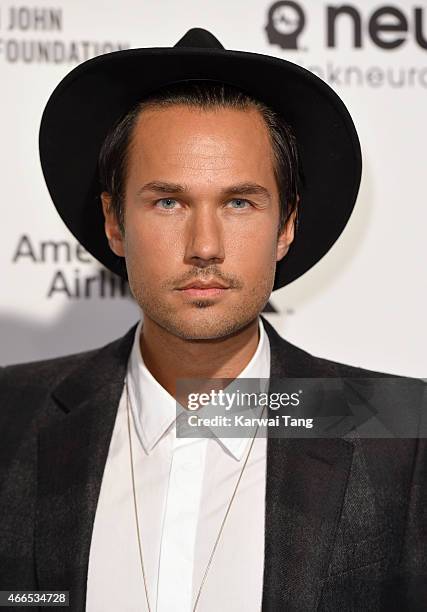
(286, 21)
(73, 275)
(353, 28)
(70, 277)
(20, 44)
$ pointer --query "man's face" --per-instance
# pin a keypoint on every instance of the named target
(201, 204)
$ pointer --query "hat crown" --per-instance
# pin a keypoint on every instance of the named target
(200, 38)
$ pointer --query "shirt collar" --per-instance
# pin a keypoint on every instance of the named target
(154, 409)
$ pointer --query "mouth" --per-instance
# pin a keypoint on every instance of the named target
(204, 288)
(201, 292)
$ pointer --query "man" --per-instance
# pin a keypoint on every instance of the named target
(200, 186)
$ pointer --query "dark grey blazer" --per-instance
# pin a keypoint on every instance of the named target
(346, 519)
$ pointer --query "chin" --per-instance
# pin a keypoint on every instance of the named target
(200, 327)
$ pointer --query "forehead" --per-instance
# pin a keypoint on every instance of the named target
(217, 142)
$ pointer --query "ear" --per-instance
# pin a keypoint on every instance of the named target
(286, 236)
(111, 226)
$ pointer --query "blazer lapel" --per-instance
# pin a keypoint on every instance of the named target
(305, 487)
(72, 453)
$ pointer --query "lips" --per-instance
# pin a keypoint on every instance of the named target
(209, 284)
(203, 292)
(203, 288)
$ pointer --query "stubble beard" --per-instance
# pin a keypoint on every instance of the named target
(211, 321)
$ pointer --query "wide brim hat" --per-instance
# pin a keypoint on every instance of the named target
(96, 94)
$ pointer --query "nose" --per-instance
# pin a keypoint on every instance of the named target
(204, 237)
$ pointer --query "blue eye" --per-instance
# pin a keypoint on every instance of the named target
(168, 201)
(240, 201)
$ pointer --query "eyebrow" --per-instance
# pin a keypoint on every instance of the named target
(238, 189)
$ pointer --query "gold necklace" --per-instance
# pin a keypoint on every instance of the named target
(223, 520)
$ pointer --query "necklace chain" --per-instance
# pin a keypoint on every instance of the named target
(136, 510)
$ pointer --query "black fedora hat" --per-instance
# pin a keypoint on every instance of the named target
(97, 93)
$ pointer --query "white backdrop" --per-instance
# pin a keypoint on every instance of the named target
(364, 304)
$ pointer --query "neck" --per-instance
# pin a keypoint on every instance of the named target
(169, 357)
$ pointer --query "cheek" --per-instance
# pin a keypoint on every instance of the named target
(150, 246)
(254, 245)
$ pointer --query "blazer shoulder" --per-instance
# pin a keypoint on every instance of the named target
(44, 371)
(47, 373)
(350, 371)
(347, 370)
(393, 388)
(287, 356)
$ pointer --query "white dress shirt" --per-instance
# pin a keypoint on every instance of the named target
(184, 486)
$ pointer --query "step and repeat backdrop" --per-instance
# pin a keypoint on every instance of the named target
(364, 303)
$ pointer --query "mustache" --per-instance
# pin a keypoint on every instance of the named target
(206, 273)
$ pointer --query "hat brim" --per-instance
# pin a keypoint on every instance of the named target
(95, 94)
